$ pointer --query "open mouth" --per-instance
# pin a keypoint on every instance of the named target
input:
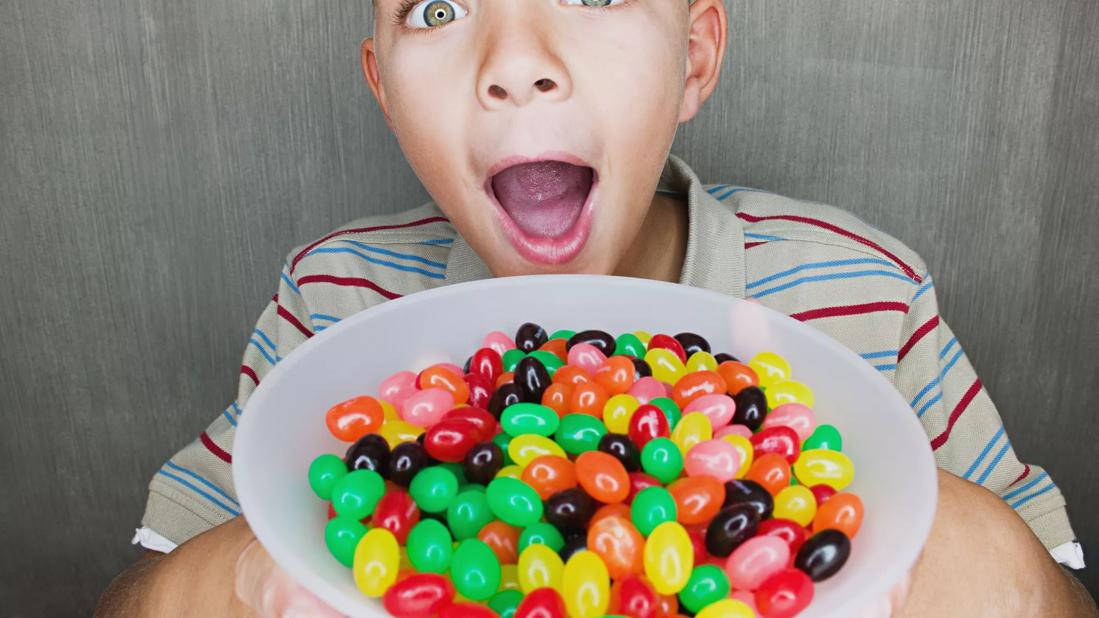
(545, 207)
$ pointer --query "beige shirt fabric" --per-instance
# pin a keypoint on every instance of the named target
(813, 262)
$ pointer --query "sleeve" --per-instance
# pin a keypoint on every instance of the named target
(966, 432)
(193, 491)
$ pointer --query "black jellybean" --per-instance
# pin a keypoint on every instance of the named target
(370, 452)
(482, 462)
(751, 407)
(622, 448)
(406, 461)
(823, 555)
(600, 339)
(573, 543)
(569, 510)
(730, 527)
(530, 337)
(692, 343)
(641, 369)
(532, 377)
(743, 491)
(722, 357)
(507, 395)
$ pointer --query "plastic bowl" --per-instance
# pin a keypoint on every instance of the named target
(282, 428)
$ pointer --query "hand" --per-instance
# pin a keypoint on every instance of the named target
(268, 591)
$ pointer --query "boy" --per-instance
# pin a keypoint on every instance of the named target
(542, 129)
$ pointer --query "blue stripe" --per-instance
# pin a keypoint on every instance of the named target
(981, 456)
(198, 491)
(928, 284)
(267, 340)
(437, 241)
(263, 351)
(1032, 483)
(714, 189)
(946, 349)
(736, 190)
(939, 380)
(992, 464)
(888, 367)
(858, 274)
(882, 354)
(394, 254)
(290, 283)
(178, 468)
(1021, 501)
(323, 316)
(935, 381)
(813, 265)
(229, 417)
(319, 327)
(763, 236)
(236, 409)
(402, 267)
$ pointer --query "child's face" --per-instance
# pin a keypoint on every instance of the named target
(540, 127)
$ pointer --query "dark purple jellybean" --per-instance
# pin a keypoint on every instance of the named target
(824, 554)
(729, 528)
(622, 448)
(641, 369)
(406, 462)
(600, 339)
(532, 377)
(751, 407)
(722, 357)
(530, 337)
(482, 462)
(575, 542)
(507, 395)
(692, 343)
(569, 510)
(743, 491)
(370, 452)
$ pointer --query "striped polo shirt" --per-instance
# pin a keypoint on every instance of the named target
(815, 263)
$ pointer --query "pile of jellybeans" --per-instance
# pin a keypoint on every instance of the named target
(581, 475)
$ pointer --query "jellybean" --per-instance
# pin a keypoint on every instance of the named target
(823, 555)
(549, 360)
(370, 452)
(505, 396)
(530, 337)
(771, 368)
(824, 437)
(719, 408)
(670, 343)
(796, 503)
(587, 357)
(524, 418)
(579, 433)
(376, 561)
(434, 488)
(745, 491)
(618, 543)
(420, 595)
(396, 512)
(446, 379)
(628, 344)
(557, 397)
(549, 474)
(486, 363)
(671, 411)
(668, 558)
(727, 608)
(640, 481)
(737, 376)
(771, 471)
(451, 439)
(531, 375)
(792, 533)
(398, 387)
(842, 512)
(524, 449)
(779, 440)
(632, 596)
(406, 461)
(822, 493)
(505, 603)
(615, 375)
(569, 510)
(698, 384)
(354, 418)
(789, 391)
(784, 594)
(751, 407)
(666, 365)
(572, 375)
(730, 528)
(652, 507)
(424, 408)
(509, 576)
(821, 466)
(480, 390)
(618, 509)
(484, 421)
(601, 340)
(514, 502)
(467, 514)
(701, 361)
(324, 473)
(589, 398)
(744, 449)
(510, 472)
(602, 476)
(575, 542)
(475, 570)
(429, 547)
(482, 462)
(662, 458)
(341, 535)
(585, 586)
(617, 412)
(541, 533)
(734, 430)
(646, 389)
(622, 448)
(718, 459)
(499, 342)
(539, 567)
(646, 423)
(357, 494)
(502, 539)
(755, 560)
(707, 584)
(544, 602)
(697, 499)
(793, 415)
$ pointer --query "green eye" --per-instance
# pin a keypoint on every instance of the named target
(438, 13)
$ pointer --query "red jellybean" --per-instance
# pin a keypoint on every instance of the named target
(450, 439)
(787, 530)
(487, 364)
(668, 343)
(632, 596)
(697, 534)
(467, 610)
(486, 424)
(639, 481)
(542, 603)
(421, 595)
(396, 512)
(784, 594)
(480, 390)
(780, 440)
(822, 493)
(647, 422)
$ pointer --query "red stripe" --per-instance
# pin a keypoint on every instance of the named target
(214, 448)
(908, 270)
(956, 414)
(348, 281)
(846, 310)
(749, 245)
(360, 230)
(289, 317)
(251, 373)
(1026, 471)
(927, 327)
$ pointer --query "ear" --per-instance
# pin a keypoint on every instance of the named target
(707, 39)
(373, 78)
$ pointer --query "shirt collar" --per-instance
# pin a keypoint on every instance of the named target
(715, 238)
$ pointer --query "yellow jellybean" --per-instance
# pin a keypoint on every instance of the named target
(389, 412)
(668, 558)
(701, 361)
(528, 447)
(510, 472)
(539, 567)
(377, 561)
(617, 412)
(727, 608)
(796, 503)
(397, 432)
(509, 577)
(692, 429)
(747, 452)
(665, 365)
(789, 391)
(824, 467)
(644, 336)
(585, 585)
(771, 368)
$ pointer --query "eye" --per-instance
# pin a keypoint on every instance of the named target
(593, 3)
(433, 13)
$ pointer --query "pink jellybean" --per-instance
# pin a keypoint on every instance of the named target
(398, 387)
(587, 356)
(716, 458)
(717, 407)
(733, 430)
(755, 560)
(746, 598)
(426, 407)
(793, 415)
(646, 389)
(497, 341)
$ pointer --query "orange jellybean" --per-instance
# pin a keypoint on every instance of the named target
(694, 385)
(557, 397)
(772, 471)
(616, 375)
(737, 376)
(697, 498)
(571, 374)
(619, 544)
(441, 377)
(505, 378)
(502, 539)
(620, 509)
(842, 512)
(602, 476)
(354, 418)
(557, 347)
(549, 474)
(588, 398)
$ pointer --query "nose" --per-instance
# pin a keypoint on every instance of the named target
(520, 66)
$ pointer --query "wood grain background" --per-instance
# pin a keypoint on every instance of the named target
(158, 158)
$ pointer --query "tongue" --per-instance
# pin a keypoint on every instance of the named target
(543, 198)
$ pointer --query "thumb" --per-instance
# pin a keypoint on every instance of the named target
(269, 592)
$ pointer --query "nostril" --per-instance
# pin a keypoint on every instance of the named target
(545, 85)
(497, 92)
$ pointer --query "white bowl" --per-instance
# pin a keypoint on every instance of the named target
(283, 429)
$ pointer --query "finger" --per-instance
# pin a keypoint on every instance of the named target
(265, 588)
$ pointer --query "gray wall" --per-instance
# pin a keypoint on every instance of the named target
(158, 158)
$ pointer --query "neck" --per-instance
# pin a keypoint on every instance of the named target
(660, 248)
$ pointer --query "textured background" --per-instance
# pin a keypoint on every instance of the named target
(158, 158)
